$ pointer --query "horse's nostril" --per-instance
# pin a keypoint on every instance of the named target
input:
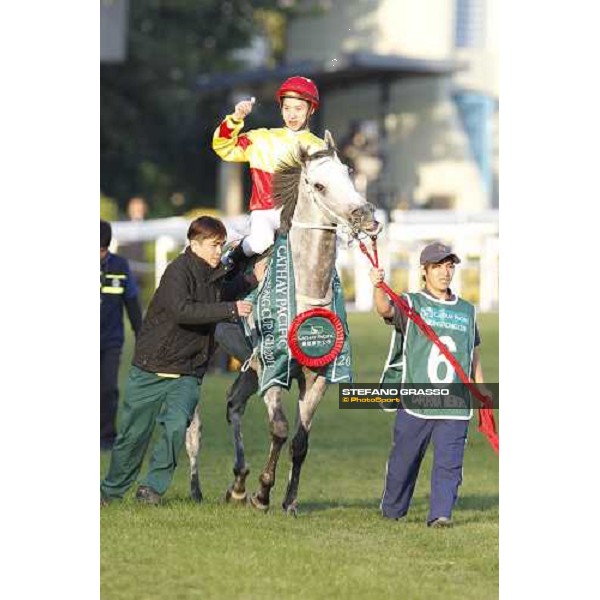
(359, 213)
(375, 228)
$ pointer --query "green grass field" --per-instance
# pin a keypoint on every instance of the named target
(339, 546)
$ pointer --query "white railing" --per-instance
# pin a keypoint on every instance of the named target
(473, 236)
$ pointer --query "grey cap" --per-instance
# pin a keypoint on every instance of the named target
(437, 252)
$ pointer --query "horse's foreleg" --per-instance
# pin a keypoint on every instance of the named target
(193, 440)
(307, 405)
(279, 431)
(236, 492)
(244, 386)
(231, 338)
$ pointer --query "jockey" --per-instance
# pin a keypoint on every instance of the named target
(298, 99)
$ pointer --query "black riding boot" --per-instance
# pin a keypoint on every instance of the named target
(234, 255)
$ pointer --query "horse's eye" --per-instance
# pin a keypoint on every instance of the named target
(319, 187)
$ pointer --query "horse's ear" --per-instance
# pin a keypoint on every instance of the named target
(329, 140)
(302, 153)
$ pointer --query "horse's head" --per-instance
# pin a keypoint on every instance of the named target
(325, 187)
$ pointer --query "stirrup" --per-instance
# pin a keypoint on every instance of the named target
(247, 362)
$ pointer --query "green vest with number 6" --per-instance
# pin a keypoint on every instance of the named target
(454, 323)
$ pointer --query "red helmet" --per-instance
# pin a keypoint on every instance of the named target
(299, 87)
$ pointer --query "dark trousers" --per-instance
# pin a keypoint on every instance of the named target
(109, 394)
(411, 438)
(230, 336)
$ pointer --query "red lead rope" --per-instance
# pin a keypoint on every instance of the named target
(487, 423)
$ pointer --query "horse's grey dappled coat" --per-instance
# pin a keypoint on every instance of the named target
(316, 193)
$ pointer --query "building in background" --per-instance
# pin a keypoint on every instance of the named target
(409, 89)
(437, 130)
(476, 88)
(114, 15)
(417, 79)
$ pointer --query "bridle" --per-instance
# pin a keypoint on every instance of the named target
(352, 231)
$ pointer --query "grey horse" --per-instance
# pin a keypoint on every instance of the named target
(317, 195)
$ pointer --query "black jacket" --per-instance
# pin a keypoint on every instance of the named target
(177, 334)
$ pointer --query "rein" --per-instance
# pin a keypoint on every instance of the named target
(301, 225)
(487, 423)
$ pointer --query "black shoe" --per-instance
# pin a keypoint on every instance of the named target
(387, 518)
(147, 495)
(441, 523)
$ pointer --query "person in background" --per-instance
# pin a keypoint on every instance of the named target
(136, 252)
(137, 209)
(118, 290)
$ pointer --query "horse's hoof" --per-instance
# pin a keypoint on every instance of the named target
(196, 496)
(292, 509)
(233, 497)
(256, 503)
(195, 492)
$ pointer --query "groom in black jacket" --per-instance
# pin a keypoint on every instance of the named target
(172, 352)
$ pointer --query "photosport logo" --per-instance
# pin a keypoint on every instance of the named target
(453, 399)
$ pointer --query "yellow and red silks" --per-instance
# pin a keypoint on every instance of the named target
(263, 149)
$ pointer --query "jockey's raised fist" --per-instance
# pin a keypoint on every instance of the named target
(243, 109)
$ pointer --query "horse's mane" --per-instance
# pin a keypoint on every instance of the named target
(286, 181)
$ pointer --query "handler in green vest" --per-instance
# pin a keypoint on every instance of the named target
(414, 359)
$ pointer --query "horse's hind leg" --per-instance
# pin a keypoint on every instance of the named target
(242, 389)
(193, 439)
(307, 405)
(279, 432)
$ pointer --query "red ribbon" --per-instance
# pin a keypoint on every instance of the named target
(316, 361)
(487, 423)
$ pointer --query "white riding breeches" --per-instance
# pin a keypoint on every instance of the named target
(263, 224)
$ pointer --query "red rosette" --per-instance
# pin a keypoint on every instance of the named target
(299, 354)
